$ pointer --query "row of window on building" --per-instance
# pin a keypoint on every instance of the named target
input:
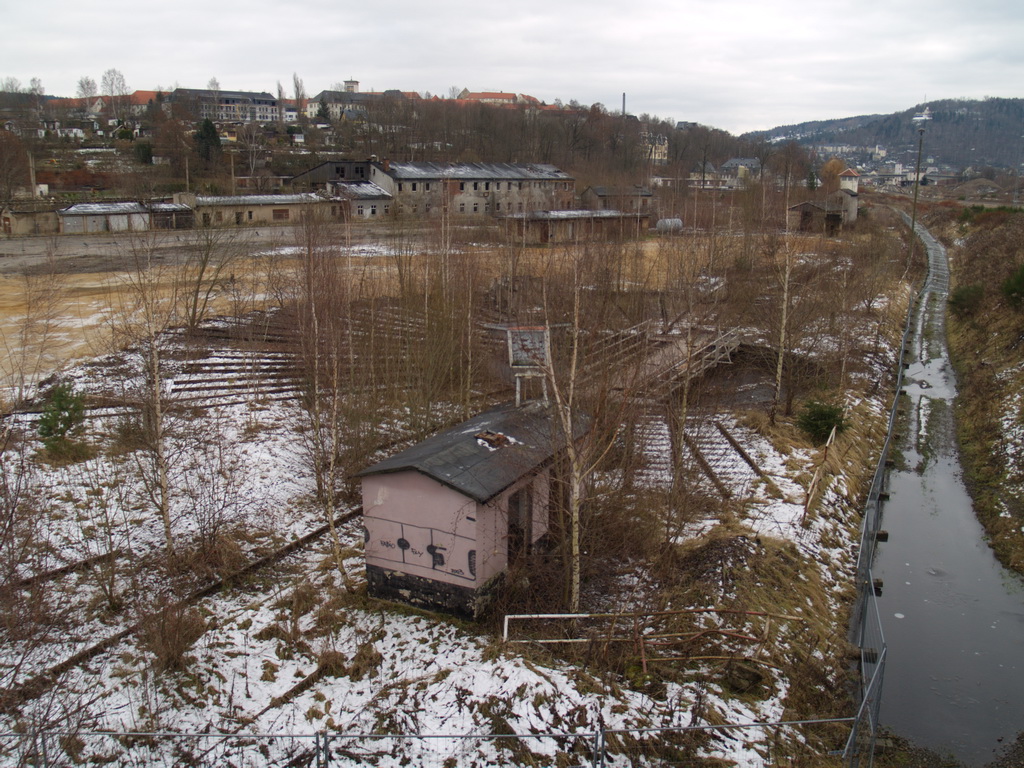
(242, 217)
(372, 210)
(362, 210)
(485, 186)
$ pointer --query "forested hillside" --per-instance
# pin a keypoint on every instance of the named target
(962, 132)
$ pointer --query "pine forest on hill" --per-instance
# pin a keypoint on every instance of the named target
(961, 133)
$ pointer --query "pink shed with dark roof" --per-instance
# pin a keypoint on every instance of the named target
(445, 517)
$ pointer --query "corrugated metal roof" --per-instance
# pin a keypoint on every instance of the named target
(477, 171)
(461, 460)
(100, 209)
(634, 191)
(169, 207)
(576, 214)
(361, 190)
(297, 199)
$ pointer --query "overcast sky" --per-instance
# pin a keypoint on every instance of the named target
(735, 64)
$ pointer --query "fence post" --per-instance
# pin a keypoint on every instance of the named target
(326, 750)
(599, 748)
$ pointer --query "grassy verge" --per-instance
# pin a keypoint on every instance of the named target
(985, 349)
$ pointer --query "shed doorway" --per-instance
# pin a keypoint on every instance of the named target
(520, 523)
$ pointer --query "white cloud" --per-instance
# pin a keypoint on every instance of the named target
(736, 64)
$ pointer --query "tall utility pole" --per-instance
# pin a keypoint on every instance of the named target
(32, 174)
(1016, 185)
(920, 119)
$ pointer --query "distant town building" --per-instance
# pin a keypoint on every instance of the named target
(227, 106)
(630, 199)
(654, 147)
(551, 227)
(460, 189)
(740, 167)
(242, 210)
(340, 105)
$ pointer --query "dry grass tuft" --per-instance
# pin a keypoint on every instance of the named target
(169, 633)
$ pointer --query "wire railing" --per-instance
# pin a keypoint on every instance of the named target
(770, 743)
(866, 626)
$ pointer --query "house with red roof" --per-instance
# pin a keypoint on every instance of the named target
(489, 97)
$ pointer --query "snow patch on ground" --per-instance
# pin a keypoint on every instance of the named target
(384, 671)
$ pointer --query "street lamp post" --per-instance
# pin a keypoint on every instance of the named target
(1016, 185)
(919, 120)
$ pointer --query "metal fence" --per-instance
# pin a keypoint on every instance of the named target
(790, 743)
(866, 627)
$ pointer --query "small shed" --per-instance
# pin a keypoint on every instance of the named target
(838, 210)
(171, 216)
(446, 517)
(84, 218)
(545, 227)
(634, 198)
(29, 218)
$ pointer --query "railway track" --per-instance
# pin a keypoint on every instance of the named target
(227, 363)
(16, 695)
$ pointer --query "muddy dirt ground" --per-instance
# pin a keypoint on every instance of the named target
(58, 294)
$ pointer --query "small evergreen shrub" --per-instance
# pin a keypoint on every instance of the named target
(1013, 288)
(817, 420)
(966, 300)
(61, 420)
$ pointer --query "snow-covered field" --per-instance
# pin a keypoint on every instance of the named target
(294, 650)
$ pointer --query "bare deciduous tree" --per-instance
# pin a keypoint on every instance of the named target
(211, 253)
(324, 307)
(146, 307)
(114, 87)
(86, 88)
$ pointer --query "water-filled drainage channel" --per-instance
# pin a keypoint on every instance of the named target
(953, 617)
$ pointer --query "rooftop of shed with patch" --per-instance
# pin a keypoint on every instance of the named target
(483, 456)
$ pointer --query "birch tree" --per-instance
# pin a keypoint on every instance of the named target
(589, 399)
(325, 325)
(146, 307)
(86, 89)
(114, 87)
(784, 271)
